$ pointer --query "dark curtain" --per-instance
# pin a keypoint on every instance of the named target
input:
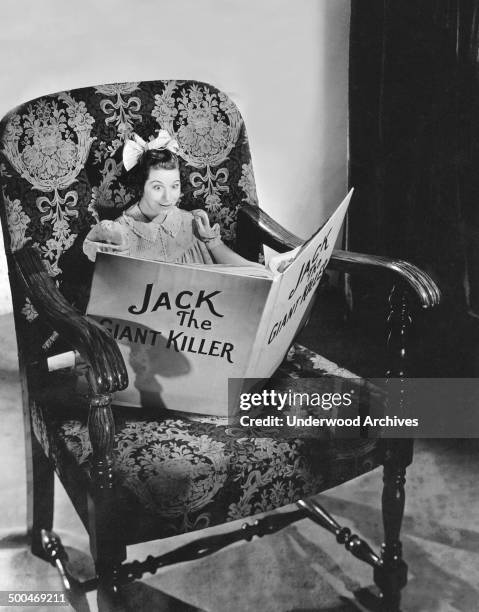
(414, 138)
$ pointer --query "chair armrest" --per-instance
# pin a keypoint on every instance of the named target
(106, 372)
(275, 236)
(265, 229)
(423, 286)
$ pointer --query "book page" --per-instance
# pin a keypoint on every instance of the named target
(183, 330)
(302, 271)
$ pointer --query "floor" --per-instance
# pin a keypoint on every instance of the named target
(299, 569)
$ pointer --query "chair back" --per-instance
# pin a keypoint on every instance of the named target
(61, 172)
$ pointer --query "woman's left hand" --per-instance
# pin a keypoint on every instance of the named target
(202, 225)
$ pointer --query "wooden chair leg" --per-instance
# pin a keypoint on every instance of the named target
(40, 495)
(109, 595)
(397, 455)
(57, 556)
(106, 545)
(392, 576)
(108, 552)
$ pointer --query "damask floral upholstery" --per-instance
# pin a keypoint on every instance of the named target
(60, 172)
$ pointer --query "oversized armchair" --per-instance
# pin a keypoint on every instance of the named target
(137, 475)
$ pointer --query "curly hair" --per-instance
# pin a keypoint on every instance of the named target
(151, 158)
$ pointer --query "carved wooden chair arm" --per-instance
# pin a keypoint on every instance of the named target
(423, 286)
(106, 372)
(254, 222)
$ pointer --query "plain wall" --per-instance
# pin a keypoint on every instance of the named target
(284, 63)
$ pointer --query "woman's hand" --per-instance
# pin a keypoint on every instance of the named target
(107, 237)
(109, 232)
(212, 238)
(204, 231)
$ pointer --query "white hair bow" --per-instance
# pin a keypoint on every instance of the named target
(136, 146)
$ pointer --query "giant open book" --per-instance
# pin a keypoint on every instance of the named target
(185, 329)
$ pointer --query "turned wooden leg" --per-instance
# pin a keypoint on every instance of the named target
(109, 595)
(55, 554)
(105, 534)
(108, 553)
(399, 324)
(39, 495)
(392, 576)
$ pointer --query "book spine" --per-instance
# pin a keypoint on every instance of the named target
(260, 340)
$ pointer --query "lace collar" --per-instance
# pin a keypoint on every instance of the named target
(169, 221)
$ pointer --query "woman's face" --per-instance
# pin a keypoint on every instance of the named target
(161, 191)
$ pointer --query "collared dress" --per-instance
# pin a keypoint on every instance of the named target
(168, 237)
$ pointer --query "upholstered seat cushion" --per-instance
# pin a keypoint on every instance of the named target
(182, 472)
